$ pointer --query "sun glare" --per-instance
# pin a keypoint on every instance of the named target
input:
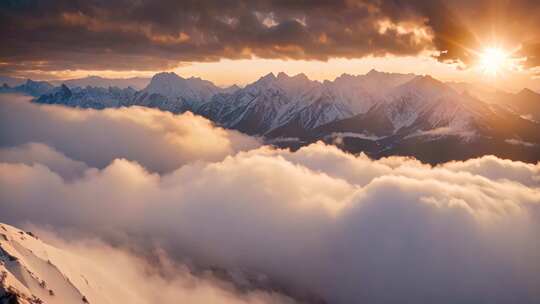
(492, 60)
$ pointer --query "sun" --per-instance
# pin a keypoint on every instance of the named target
(493, 60)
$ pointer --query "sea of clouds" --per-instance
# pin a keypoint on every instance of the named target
(319, 223)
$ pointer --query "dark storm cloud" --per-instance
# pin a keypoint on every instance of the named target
(450, 34)
(149, 35)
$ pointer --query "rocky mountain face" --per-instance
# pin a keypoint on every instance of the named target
(283, 102)
(429, 120)
(525, 103)
(376, 113)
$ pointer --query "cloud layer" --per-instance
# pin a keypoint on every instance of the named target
(156, 35)
(160, 141)
(321, 223)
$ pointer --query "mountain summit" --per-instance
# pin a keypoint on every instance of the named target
(170, 92)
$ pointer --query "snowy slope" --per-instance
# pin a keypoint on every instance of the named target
(88, 271)
(34, 272)
(280, 102)
(272, 101)
(363, 91)
(378, 102)
(256, 108)
(424, 104)
(406, 103)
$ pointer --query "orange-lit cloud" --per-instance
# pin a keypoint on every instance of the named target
(336, 219)
(132, 33)
(119, 133)
(55, 38)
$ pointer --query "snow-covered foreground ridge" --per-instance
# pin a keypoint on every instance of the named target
(34, 272)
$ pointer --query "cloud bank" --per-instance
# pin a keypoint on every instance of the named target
(320, 223)
(160, 141)
(158, 35)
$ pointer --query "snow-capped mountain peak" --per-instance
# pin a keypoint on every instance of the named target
(266, 78)
(282, 75)
(173, 86)
(168, 91)
(166, 84)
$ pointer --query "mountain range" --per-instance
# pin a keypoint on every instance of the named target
(378, 113)
(29, 87)
(137, 83)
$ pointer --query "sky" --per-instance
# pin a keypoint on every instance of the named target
(235, 42)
